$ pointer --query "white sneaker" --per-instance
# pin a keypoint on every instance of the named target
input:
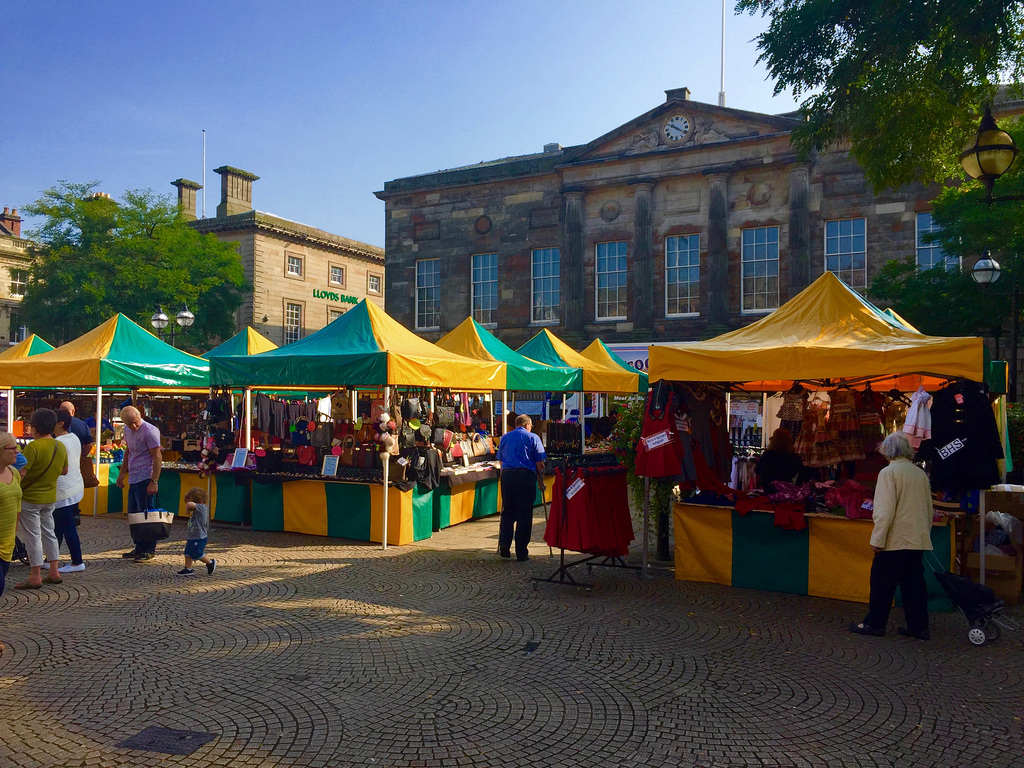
(71, 568)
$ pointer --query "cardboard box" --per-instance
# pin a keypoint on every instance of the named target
(994, 563)
(1005, 501)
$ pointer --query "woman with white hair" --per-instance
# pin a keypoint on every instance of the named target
(901, 536)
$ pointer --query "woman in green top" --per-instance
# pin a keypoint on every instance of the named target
(10, 502)
(47, 460)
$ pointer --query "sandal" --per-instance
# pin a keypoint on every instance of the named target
(28, 585)
(50, 580)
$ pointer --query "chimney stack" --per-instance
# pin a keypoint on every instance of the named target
(235, 190)
(11, 221)
(683, 94)
(187, 197)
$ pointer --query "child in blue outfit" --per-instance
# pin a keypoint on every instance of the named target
(197, 533)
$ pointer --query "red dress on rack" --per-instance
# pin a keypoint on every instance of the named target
(666, 459)
(596, 520)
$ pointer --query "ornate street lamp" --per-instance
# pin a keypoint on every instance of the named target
(185, 318)
(159, 320)
(985, 270)
(989, 154)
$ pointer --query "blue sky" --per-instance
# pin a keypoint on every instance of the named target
(326, 101)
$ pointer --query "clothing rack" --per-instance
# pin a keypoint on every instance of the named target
(561, 575)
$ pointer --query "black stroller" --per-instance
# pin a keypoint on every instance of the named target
(20, 553)
(984, 611)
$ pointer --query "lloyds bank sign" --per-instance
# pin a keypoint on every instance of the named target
(320, 293)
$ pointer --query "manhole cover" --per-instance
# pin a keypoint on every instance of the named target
(167, 740)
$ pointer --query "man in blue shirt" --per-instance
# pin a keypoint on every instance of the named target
(522, 457)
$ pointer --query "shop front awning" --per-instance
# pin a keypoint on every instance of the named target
(826, 332)
(115, 353)
(547, 348)
(363, 347)
(522, 374)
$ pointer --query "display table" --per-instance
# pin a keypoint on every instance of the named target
(229, 493)
(830, 558)
(459, 499)
(339, 509)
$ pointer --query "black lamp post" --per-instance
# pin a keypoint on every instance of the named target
(159, 321)
(987, 270)
(988, 155)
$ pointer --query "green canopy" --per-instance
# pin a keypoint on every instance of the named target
(523, 374)
(33, 345)
(116, 353)
(363, 347)
(247, 341)
(597, 376)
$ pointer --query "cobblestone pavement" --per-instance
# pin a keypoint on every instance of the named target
(301, 651)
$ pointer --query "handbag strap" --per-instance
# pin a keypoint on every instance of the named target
(50, 464)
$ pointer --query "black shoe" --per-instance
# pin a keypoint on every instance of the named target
(185, 572)
(131, 555)
(522, 558)
(143, 556)
(506, 555)
(211, 566)
(864, 629)
(924, 634)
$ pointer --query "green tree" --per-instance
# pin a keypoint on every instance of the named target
(95, 257)
(902, 81)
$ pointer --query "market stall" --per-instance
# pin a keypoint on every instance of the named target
(828, 342)
(598, 377)
(33, 345)
(117, 356)
(599, 352)
(248, 341)
(371, 357)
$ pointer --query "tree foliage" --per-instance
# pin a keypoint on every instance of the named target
(95, 257)
(903, 81)
(952, 303)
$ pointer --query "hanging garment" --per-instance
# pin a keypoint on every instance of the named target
(791, 412)
(709, 425)
(918, 425)
(894, 415)
(965, 445)
(869, 409)
(844, 424)
(816, 445)
(659, 452)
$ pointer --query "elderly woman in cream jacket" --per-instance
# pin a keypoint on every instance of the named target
(902, 534)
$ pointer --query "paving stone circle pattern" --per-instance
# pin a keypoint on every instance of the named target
(305, 651)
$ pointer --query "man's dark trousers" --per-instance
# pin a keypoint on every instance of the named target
(518, 492)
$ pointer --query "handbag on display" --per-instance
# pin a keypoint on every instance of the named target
(456, 449)
(377, 408)
(320, 437)
(444, 407)
(411, 408)
(307, 455)
(341, 406)
(348, 445)
(269, 460)
(150, 526)
(443, 439)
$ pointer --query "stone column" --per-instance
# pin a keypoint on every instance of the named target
(571, 261)
(718, 253)
(643, 256)
(799, 255)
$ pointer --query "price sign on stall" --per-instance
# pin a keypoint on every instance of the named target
(657, 440)
(573, 489)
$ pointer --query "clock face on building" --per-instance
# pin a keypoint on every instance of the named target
(677, 128)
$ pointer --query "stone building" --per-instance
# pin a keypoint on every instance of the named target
(687, 221)
(15, 261)
(302, 277)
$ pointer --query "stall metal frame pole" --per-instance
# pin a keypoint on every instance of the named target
(10, 411)
(97, 443)
(982, 509)
(583, 426)
(504, 412)
(386, 460)
(647, 526)
(248, 417)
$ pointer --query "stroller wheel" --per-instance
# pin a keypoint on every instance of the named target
(992, 630)
(977, 636)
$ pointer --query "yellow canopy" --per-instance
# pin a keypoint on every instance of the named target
(115, 353)
(597, 377)
(827, 331)
(33, 345)
(598, 352)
